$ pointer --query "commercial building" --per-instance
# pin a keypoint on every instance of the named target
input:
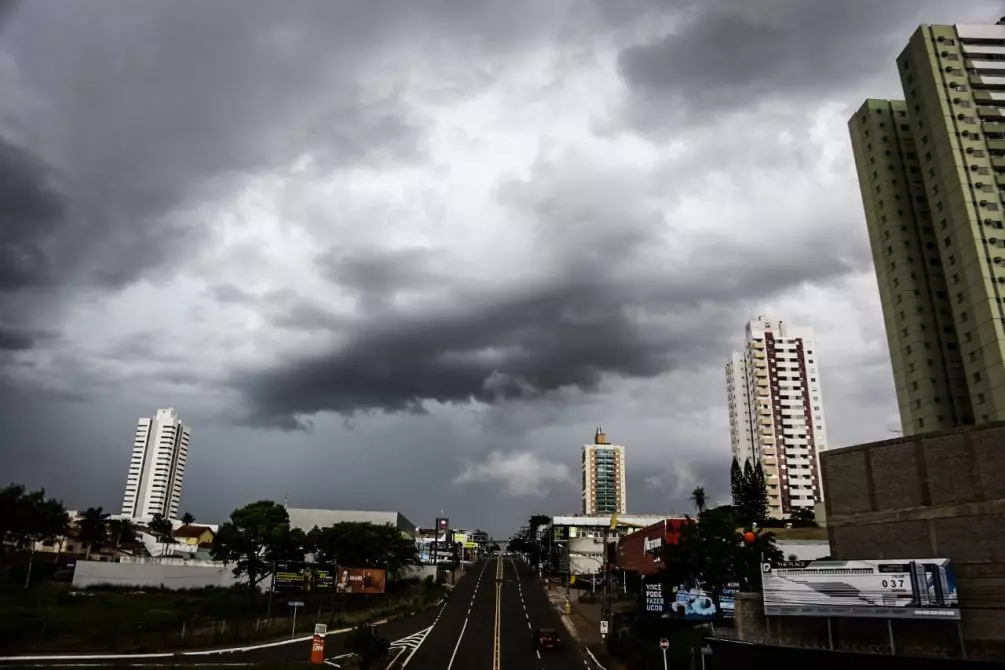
(935, 495)
(579, 543)
(306, 519)
(931, 169)
(157, 467)
(604, 489)
(776, 412)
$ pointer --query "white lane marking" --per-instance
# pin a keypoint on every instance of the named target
(528, 624)
(458, 645)
(538, 654)
(463, 628)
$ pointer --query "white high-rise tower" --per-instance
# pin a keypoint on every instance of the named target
(776, 414)
(160, 452)
(604, 489)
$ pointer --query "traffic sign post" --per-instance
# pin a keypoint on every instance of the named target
(664, 645)
(295, 604)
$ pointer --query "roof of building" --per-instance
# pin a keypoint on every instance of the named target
(305, 519)
(191, 530)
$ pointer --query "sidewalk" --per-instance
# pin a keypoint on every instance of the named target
(584, 625)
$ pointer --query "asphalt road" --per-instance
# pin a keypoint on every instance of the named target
(464, 636)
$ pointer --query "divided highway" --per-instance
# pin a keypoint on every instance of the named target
(487, 623)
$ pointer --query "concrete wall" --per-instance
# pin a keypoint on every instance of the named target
(152, 575)
(937, 495)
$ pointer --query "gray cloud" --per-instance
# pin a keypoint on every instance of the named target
(730, 55)
(136, 138)
(31, 212)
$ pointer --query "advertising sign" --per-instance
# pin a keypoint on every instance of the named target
(360, 580)
(923, 588)
(291, 576)
(686, 601)
(323, 579)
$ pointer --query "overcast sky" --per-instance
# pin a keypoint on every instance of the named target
(407, 255)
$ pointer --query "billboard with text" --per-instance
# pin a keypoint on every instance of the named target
(663, 598)
(360, 580)
(922, 588)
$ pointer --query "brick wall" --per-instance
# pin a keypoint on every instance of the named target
(938, 495)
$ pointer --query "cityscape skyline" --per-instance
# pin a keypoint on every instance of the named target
(370, 270)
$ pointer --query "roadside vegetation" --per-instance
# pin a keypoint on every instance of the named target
(40, 611)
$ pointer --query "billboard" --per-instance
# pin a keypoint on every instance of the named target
(360, 580)
(692, 602)
(302, 577)
(922, 588)
(291, 576)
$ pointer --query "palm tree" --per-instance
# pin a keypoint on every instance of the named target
(93, 528)
(161, 527)
(187, 519)
(123, 530)
(698, 498)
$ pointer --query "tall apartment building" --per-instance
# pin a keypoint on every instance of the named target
(776, 415)
(160, 453)
(932, 174)
(604, 490)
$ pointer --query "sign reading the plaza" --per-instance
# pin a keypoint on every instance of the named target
(923, 588)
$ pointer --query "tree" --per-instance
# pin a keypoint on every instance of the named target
(92, 528)
(123, 531)
(362, 544)
(11, 515)
(534, 547)
(803, 516)
(698, 498)
(40, 519)
(713, 553)
(187, 519)
(753, 495)
(161, 528)
(736, 483)
(252, 538)
(759, 495)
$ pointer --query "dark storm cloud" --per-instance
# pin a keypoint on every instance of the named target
(568, 334)
(13, 338)
(729, 55)
(375, 275)
(155, 108)
(31, 212)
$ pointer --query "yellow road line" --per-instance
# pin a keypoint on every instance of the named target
(496, 643)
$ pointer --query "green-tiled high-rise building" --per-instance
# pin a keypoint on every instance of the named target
(932, 173)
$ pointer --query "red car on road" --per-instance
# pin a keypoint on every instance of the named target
(545, 638)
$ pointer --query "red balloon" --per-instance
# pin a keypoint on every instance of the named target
(749, 537)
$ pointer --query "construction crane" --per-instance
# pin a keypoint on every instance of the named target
(616, 521)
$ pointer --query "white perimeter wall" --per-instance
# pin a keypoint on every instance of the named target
(93, 573)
